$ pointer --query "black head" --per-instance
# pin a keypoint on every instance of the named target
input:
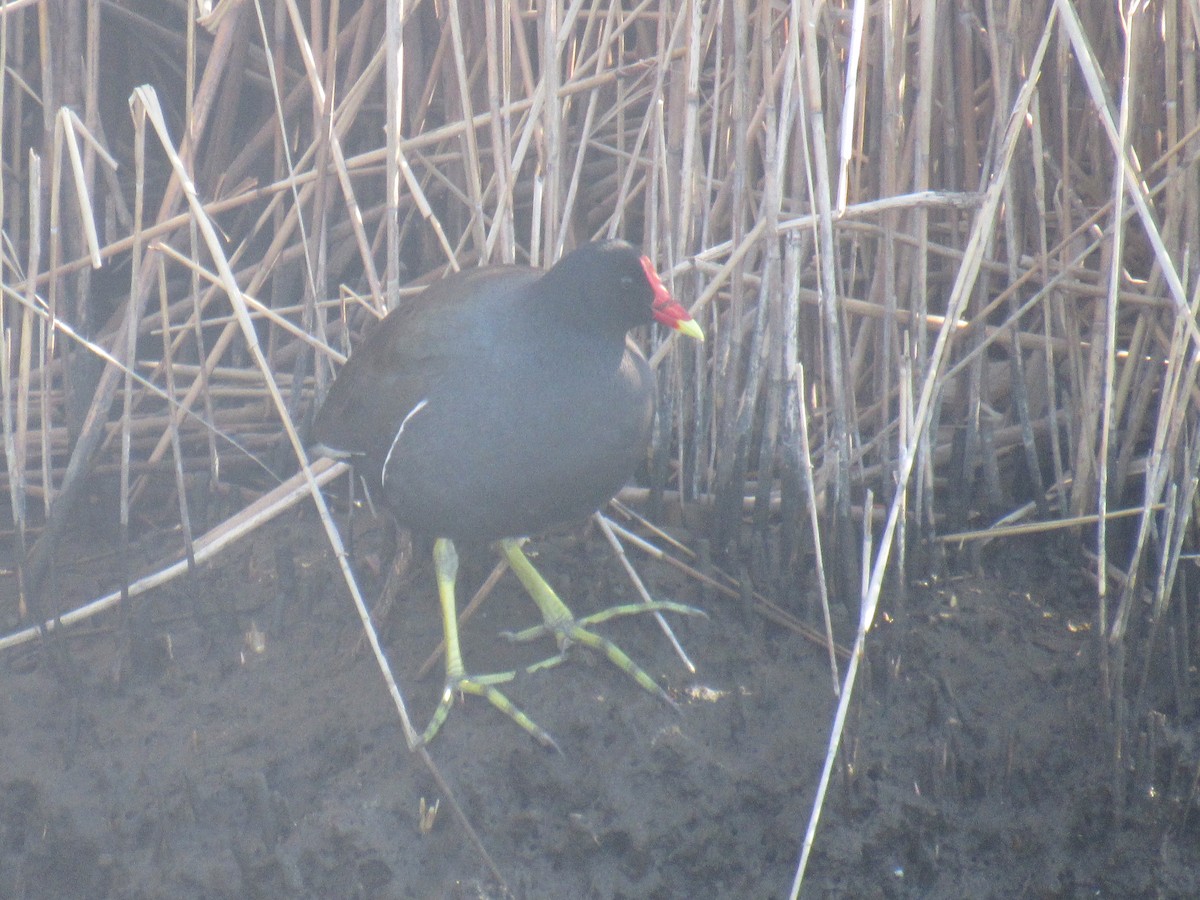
(610, 286)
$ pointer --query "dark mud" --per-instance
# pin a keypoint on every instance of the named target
(244, 746)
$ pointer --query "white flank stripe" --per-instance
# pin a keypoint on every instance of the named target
(387, 459)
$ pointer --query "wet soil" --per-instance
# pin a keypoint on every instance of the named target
(237, 741)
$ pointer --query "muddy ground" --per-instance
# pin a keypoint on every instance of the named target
(243, 745)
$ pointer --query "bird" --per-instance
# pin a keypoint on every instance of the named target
(495, 404)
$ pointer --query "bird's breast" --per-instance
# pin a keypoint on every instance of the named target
(517, 454)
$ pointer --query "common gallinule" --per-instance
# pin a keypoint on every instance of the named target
(498, 402)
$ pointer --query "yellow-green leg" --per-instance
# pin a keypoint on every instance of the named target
(445, 561)
(558, 620)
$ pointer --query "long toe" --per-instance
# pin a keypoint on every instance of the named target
(558, 620)
(571, 631)
(485, 686)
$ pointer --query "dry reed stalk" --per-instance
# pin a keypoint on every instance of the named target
(206, 547)
(16, 451)
(614, 533)
(964, 283)
(148, 103)
(61, 505)
(132, 312)
(724, 583)
(804, 464)
(1040, 527)
(177, 456)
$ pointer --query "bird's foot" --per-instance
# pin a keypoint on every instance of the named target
(558, 620)
(568, 630)
(484, 686)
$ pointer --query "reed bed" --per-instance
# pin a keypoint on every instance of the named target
(943, 252)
